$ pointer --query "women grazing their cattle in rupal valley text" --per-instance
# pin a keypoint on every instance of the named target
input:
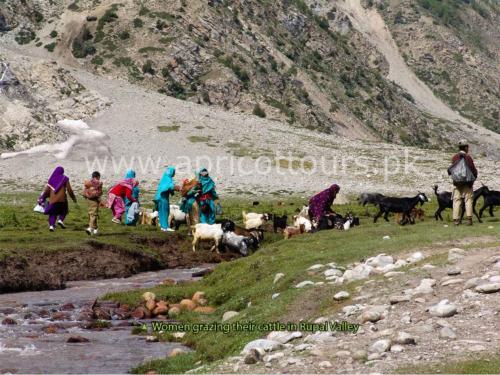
(320, 204)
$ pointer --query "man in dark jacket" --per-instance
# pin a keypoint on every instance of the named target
(464, 190)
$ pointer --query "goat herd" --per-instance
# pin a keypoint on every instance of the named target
(225, 234)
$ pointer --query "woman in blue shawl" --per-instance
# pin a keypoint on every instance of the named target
(134, 216)
(206, 197)
(166, 187)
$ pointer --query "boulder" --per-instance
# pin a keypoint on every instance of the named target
(454, 271)
(199, 297)
(204, 309)
(176, 351)
(76, 339)
(283, 336)
(161, 308)
(150, 304)
(447, 333)
(102, 313)
(8, 322)
(415, 257)
(488, 288)
(315, 267)
(443, 309)
(359, 272)
(229, 315)
(425, 287)
(380, 346)
(187, 304)
(264, 344)
(472, 283)
(452, 282)
(253, 356)
(380, 260)
(455, 254)
(333, 272)
(277, 277)
(275, 295)
(404, 338)
(394, 299)
(174, 311)
(359, 355)
(148, 295)
(304, 283)
(341, 295)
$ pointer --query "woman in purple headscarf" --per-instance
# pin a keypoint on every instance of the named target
(56, 191)
(319, 204)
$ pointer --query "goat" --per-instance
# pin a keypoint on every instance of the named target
(207, 232)
(445, 200)
(255, 236)
(148, 217)
(372, 198)
(254, 220)
(401, 205)
(299, 220)
(293, 231)
(279, 222)
(235, 242)
(491, 199)
(176, 217)
(416, 213)
(303, 212)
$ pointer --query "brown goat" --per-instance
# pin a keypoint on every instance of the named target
(293, 231)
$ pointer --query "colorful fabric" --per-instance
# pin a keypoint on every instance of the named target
(57, 180)
(321, 202)
(93, 189)
(117, 205)
(166, 184)
(207, 184)
(57, 210)
(163, 207)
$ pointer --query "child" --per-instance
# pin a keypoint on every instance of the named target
(93, 192)
(117, 195)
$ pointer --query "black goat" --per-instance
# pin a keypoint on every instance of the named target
(279, 222)
(491, 199)
(372, 198)
(400, 205)
(256, 236)
(445, 201)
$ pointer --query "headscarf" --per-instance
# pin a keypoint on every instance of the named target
(57, 180)
(321, 201)
(166, 182)
(207, 184)
(130, 174)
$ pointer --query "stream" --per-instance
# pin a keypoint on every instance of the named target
(45, 320)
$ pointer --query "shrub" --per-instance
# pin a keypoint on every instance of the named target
(50, 47)
(138, 23)
(97, 60)
(82, 49)
(258, 111)
(148, 67)
(53, 34)
(123, 35)
(25, 36)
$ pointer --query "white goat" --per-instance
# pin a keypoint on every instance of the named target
(252, 220)
(304, 212)
(300, 220)
(177, 216)
(207, 232)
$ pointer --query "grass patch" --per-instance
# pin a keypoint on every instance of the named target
(198, 138)
(167, 129)
(50, 47)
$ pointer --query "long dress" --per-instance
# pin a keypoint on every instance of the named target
(320, 204)
(162, 197)
(206, 198)
(132, 207)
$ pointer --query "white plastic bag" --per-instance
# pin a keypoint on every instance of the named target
(39, 208)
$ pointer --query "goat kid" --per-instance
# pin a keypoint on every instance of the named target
(293, 231)
(176, 217)
(256, 236)
(300, 220)
(252, 220)
(279, 222)
(234, 242)
(491, 199)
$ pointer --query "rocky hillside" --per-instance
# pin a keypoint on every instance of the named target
(281, 60)
(453, 46)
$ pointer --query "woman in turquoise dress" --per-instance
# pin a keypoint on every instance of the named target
(166, 188)
(206, 197)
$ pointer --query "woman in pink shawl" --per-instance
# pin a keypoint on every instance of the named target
(319, 204)
(56, 189)
(117, 195)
